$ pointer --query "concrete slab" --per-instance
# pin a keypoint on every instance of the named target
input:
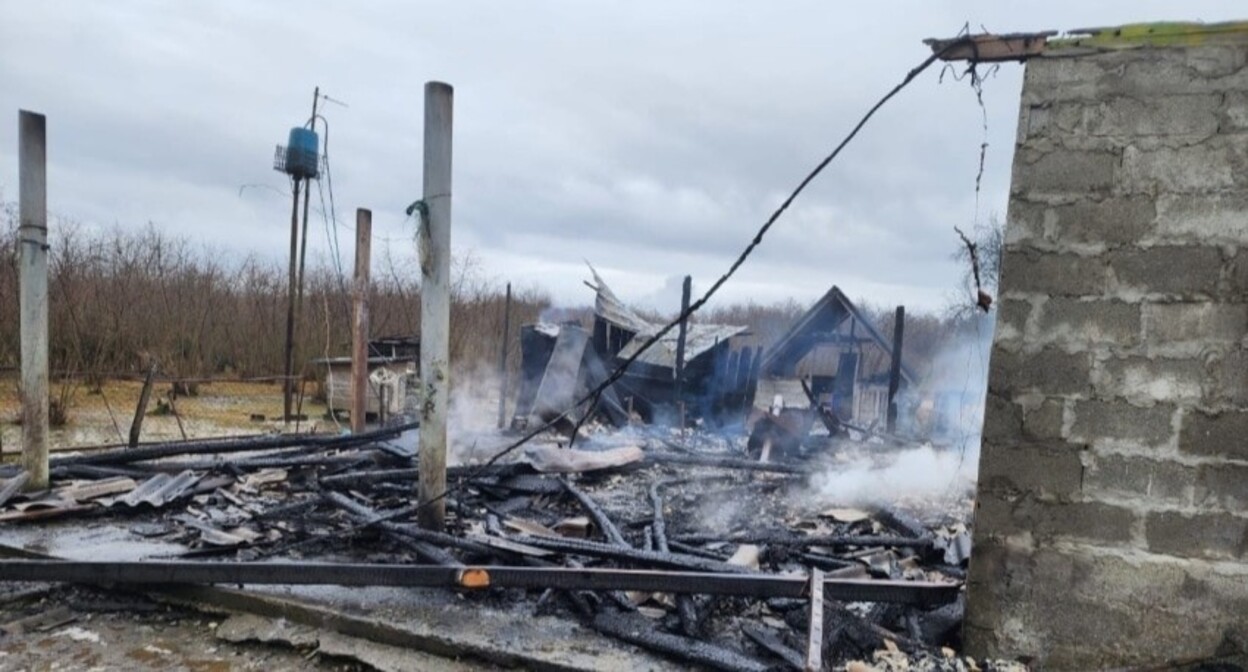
(434, 621)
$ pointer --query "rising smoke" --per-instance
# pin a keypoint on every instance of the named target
(946, 414)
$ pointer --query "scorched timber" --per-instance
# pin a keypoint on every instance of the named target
(143, 453)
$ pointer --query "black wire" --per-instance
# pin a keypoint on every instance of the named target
(595, 394)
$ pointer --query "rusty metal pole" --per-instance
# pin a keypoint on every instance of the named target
(359, 326)
(33, 244)
(894, 372)
(435, 305)
(289, 351)
(303, 257)
(502, 361)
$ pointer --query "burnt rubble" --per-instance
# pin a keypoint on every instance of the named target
(660, 500)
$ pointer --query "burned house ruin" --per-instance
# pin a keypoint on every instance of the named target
(844, 358)
(703, 377)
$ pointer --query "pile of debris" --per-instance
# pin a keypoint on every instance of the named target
(671, 541)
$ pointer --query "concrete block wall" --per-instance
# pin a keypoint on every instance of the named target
(1112, 515)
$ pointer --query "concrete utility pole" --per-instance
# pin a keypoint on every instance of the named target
(435, 304)
(359, 327)
(32, 156)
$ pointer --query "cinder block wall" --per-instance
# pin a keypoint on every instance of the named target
(1112, 520)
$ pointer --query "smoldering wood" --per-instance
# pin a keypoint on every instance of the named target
(370, 518)
(637, 630)
(631, 555)
(601, 519)
(727, 463)
(774, 645)
(203, 447)
(787, 539)
(686, 610)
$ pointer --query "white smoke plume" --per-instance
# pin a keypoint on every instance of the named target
(947, 410)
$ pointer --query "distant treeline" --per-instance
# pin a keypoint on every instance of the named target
(120, 298)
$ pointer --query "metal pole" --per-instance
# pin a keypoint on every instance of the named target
(289, 354)
(303, 243)
(680, 342)
(894, 373)
(502, 361)
(33, 237)
(435, 304)
(359, 328)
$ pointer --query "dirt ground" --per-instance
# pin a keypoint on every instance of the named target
(104, 417)
(82, 629)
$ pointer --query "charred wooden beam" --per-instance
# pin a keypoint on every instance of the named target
(786, 539)
(637, 630)
(685, 607)
(727, 463)
(601, 519)
(367, 517)
(774, 645)
(160, 451)
(631, 555)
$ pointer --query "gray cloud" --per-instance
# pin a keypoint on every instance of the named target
(649, 138)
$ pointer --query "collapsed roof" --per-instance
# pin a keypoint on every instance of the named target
(699, 338)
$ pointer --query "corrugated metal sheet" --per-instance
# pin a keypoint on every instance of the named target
(13, 486)
(159, 489)
(699, 338)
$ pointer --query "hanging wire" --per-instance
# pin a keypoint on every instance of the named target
(592, 397)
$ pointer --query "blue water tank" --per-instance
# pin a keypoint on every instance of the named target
(302, 153)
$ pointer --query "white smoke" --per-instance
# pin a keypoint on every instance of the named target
(947, 412)
(922, 473)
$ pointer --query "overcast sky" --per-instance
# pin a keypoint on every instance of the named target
(649, 138)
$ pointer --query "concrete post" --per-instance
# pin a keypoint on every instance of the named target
(359, 326)
(33, 237)
(435, 304)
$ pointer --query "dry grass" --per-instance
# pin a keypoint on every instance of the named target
(220, 409)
